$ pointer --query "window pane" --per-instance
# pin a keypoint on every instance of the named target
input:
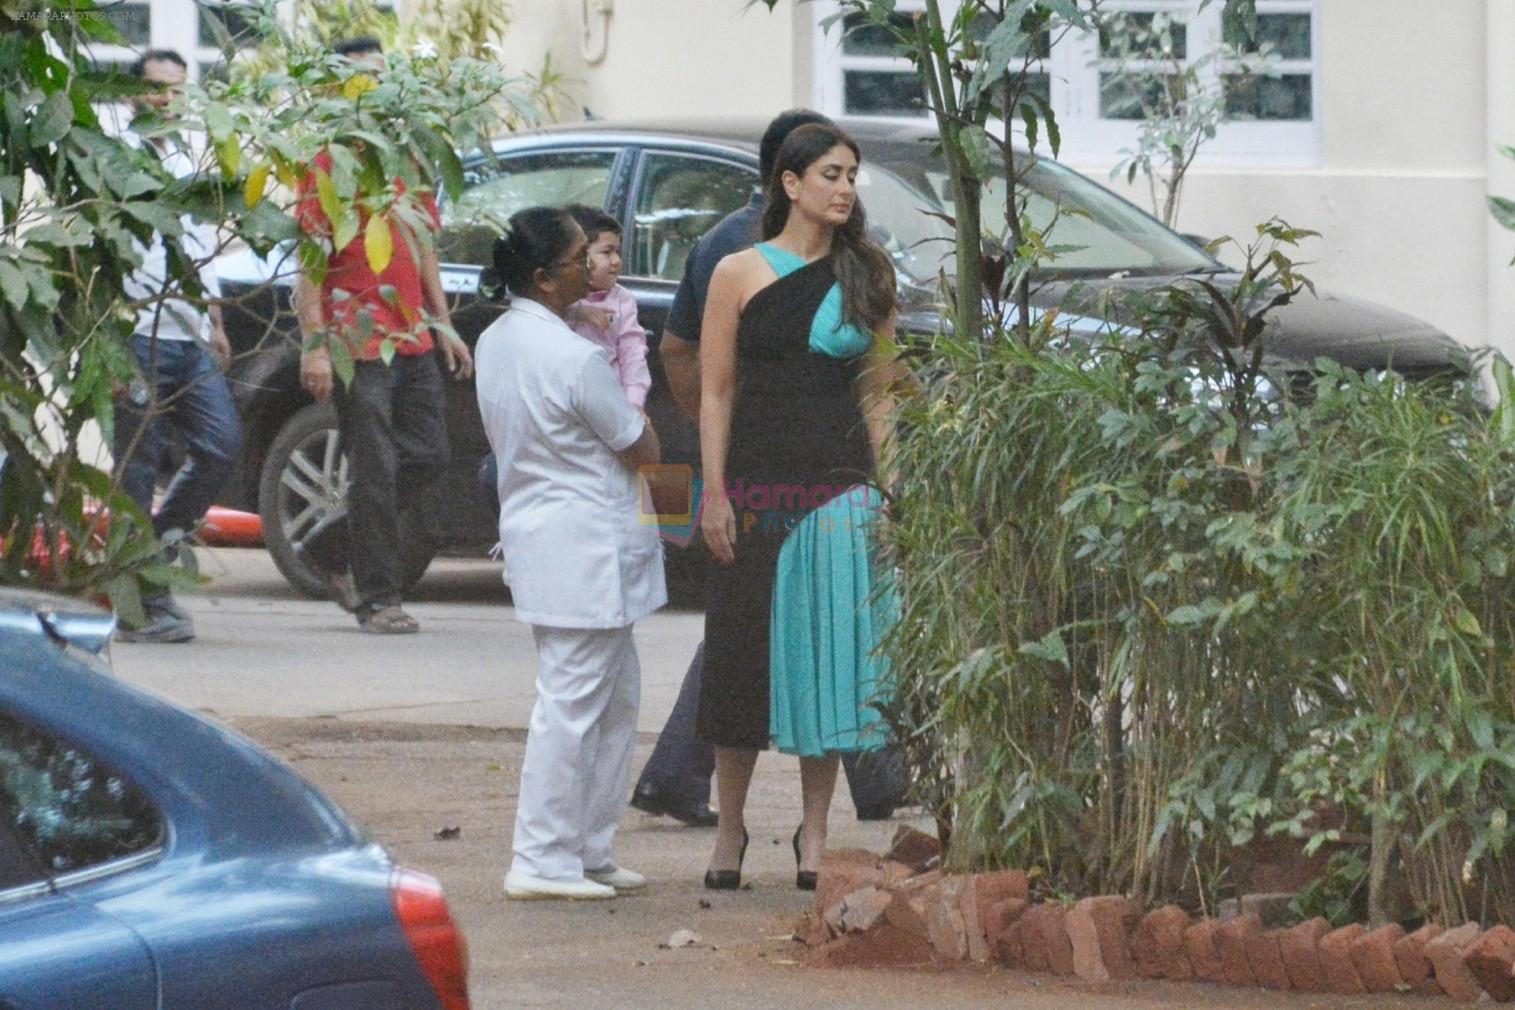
(1146, 36)
(223, 24)
(73, 812)
(1107, 235)
(18, 864)
(1287, 34)
(680, 200)
(861, 37)
(1286, 97)
(549, 179)
(134, 21)
(984, 23)
(883, 93)
(1040, 84)
(1124, 96)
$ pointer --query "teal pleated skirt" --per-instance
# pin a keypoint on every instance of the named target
(827, 620)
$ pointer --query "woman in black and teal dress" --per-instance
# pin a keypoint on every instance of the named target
(797, 378)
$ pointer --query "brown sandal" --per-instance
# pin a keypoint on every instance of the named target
(389, 621)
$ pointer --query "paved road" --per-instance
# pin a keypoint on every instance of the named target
(263, 650)
(415, 733)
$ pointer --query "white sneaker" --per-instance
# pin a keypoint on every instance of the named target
(525, 887)
(623, 880)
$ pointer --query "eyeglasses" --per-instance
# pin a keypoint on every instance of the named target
(581, 261)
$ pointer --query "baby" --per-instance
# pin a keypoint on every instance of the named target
(608, 316)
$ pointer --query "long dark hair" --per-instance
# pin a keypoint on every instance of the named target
(863, 269)
(535, 239)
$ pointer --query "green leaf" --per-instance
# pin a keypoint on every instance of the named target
(1050, 648)
(162, 219)
(125, 595)
(53, 119)
(13, 284)
(229, 154)
(1467, 623)
(1503, 209)
(345, 229)
(1048, 117)
(975, 147)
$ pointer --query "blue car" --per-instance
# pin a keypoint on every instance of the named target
(151, 860)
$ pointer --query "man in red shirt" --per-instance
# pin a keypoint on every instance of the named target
(391, 415)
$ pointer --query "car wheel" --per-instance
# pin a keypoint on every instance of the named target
(303, 482)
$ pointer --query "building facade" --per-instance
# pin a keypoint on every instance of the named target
(1378, 128)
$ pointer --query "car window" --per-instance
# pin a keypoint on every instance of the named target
(1092, 230)
(19, 865)
(67, 807)
(494, 191)
(681, 198)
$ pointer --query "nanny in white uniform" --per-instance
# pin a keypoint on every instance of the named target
(581, 568)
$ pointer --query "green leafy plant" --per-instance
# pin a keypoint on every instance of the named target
(1178, 111)
(1502, 207)
(78, 203)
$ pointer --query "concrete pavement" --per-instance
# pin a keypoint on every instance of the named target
(412, 734)
(261, 649)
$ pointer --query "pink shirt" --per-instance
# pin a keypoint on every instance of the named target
(623, 338)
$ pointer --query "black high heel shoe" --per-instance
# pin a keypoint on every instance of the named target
(728, 880)
(803, 879)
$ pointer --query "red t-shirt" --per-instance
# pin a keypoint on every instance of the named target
(348, 271)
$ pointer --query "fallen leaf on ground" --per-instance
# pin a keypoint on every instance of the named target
(447, 834)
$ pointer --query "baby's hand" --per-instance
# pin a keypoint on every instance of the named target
(598, 318)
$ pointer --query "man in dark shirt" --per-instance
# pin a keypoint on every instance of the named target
(676, 779)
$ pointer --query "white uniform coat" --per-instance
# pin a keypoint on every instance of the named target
(576, 554)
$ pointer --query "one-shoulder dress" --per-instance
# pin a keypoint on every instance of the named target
(789, 641)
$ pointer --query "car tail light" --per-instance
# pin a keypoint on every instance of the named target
(436, 940)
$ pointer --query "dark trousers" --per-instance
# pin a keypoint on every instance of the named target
(182, 388)
(394, 433)
(681, 764)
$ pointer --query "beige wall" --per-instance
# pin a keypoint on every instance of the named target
(664, 57)
(1399, 193)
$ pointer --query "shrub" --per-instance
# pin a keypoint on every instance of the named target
(1161, 597)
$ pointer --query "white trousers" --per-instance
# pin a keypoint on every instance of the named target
(575, 777)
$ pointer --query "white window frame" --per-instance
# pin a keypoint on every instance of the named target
(1087, 138)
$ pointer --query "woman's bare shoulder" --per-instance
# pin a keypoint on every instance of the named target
(738, 264)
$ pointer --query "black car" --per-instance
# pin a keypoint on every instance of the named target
(669, 182)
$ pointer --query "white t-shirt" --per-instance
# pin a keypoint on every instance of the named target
(178, 318)
(576, 552)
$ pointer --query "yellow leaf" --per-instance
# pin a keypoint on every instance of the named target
(229, 153)
(284, 171)
(326, 196)
(378, 243)
(257, 181)
(358, 85)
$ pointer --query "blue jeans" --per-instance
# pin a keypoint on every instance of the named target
(183, 387)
